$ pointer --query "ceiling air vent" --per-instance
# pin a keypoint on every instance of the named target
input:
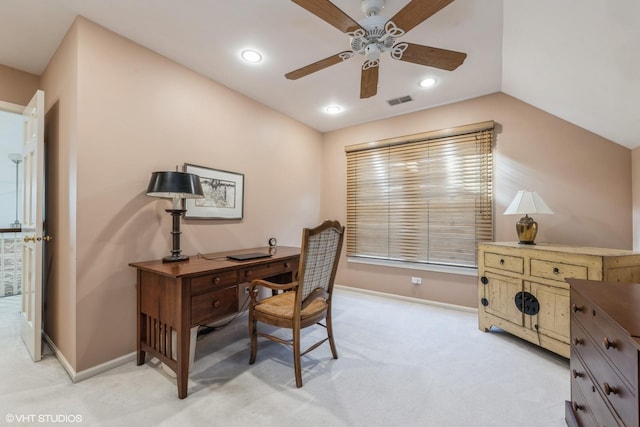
(401, 100)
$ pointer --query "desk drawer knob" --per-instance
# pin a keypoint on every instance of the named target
(216, 280)
(556, 270)
(287, 265)
(576, 308)
(216, 304)
(576, 374)
(607, 343)
(501, 262)
(248, 273)
(609, 389)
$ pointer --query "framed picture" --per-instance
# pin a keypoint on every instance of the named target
(223, 194)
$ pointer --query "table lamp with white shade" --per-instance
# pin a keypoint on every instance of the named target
(525, 203)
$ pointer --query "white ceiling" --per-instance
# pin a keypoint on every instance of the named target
(577, 59)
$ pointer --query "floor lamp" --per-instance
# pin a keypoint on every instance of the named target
(17, 159)
(175, 186)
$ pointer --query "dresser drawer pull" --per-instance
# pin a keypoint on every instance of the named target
(215, 280)
(576, 374)
(576, 308)
(607, 343)
(576, 407)
(287, 265)
(577, 341)
(248, 273)
(216, 303)
(501, 262)
(608, 389)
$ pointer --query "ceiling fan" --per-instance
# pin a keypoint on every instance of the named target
(375, 34)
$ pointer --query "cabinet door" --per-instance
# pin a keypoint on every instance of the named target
(553, 318)
(499, 296)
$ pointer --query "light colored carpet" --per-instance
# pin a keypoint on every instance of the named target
(401, 364)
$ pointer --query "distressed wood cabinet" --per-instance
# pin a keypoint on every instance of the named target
(522, 288)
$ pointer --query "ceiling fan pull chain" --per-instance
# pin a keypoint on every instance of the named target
(398, 50)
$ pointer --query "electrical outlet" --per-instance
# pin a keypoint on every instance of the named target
(246, 290)
(416, 280)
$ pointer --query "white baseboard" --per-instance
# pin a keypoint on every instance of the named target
(87, 373)
(409, 299)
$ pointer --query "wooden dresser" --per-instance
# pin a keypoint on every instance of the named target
(605, 326)
(522, 288)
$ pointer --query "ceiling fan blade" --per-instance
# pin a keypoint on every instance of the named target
(320, 65)
(329, 13)
(430, 56)
(369, 80)
(416, 11)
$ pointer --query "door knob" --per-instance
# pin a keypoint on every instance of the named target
(28, 239)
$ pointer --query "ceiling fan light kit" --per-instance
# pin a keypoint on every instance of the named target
(375, 34)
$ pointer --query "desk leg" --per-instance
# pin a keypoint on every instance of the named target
(183, 340)
(141, 322)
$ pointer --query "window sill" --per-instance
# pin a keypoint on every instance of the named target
(464, 271)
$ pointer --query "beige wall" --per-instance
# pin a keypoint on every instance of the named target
(635, 156)
(138, 112)
(585, 179)
(16, 86)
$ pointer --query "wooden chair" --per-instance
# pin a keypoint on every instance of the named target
(304, 302)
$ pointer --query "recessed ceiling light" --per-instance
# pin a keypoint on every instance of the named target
(428, 82)
(251, 56)
(333, 109)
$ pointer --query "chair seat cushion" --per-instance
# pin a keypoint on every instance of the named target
(281, 305)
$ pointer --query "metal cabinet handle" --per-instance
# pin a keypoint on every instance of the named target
(607, 343)
(609, 389)
(577, 341)
(576, 407)
(556, 270)
(576, 308)
(576, 374)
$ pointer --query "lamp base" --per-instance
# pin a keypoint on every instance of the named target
(527, 229)
(172, 258)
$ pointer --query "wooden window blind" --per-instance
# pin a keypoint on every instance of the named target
(425, 198)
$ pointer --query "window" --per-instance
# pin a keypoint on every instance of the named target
(425, 198)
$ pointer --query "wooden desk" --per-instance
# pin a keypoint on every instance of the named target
(174, 297)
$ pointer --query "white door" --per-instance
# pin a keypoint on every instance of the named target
(32, 222)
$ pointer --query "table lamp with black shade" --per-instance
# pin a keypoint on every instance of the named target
(175, 186)
(524, 203)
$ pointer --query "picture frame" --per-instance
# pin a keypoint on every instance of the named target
(223, 194)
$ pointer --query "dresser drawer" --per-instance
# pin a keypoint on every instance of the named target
(611, 340)
(557, 270)
(511, 263)
(212, 281)
(265, 270)
(606, 379)
(587, 398)
(213, 305)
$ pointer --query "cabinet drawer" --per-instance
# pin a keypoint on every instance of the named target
(557, 270)
(609, 383)
(265, 270)
(213, 305)
(212, 281)
(587, 405)
(504, 262)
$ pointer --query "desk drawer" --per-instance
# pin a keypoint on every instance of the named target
(557, 270)
(265, 270)
(213, 305)
(212, 281)
(504, 262)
